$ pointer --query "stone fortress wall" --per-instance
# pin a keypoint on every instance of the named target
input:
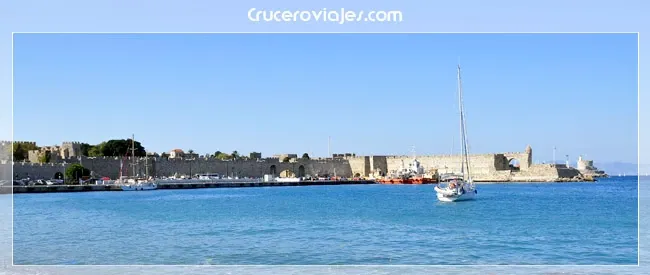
(110, 167)
(484, 167)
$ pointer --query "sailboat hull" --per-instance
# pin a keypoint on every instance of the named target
(448, 196)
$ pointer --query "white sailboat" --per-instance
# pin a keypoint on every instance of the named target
(462, 187)
(134, 183)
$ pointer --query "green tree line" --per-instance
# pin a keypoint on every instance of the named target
(117, 147)
(110, 148)
(113, 148)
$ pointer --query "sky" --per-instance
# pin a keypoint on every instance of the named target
(373, 94)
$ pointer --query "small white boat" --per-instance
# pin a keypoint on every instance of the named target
(462, 187)
(456, 191)
(138, 185)
(287, 179)
(134, 183)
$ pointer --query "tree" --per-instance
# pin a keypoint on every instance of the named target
(286, 159)
(85, 149)
(121, 147)
(234, 154)
(222, 156)
(96, 150)
(74, 172)
(19, 152)
(190, 151)
(305, 156)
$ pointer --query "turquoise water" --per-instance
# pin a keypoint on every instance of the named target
(549, 223)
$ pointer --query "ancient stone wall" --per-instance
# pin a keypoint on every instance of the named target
(70, 149)
(34, 155)
(481, 166)
(525, 158)
(379, 164)
(359, 166)
(110, 167)
(38, 170)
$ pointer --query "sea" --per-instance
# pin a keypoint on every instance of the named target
(359, 229)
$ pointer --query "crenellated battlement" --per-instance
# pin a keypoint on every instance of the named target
(32, 164)
(71, 143)
(17, 141)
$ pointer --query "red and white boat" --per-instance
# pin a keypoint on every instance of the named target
(413, 174)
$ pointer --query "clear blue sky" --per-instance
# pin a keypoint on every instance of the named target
(373, 93)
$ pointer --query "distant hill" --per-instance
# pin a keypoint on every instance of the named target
(615, 168)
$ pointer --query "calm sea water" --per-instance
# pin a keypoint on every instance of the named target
(549, 223)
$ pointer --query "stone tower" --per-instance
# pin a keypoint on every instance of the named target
(528, 160)
(70, 149)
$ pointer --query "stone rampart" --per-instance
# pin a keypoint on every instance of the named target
(38, 170)
(479, 164)
(359, 166)
(482, 166)
(110, 167)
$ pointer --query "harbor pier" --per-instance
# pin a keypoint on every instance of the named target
(163, 185)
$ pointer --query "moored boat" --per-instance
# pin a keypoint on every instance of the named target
(138, 185)
(134, 183)
(462, 186)
(413, 174)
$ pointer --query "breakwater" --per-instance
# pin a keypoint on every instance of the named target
(238, 184)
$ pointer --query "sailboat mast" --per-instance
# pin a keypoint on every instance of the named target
(460, 110)
(465, 134)
(133, 153)
(463, 130)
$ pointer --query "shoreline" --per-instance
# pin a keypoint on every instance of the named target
(164, 186)
(167, 186)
